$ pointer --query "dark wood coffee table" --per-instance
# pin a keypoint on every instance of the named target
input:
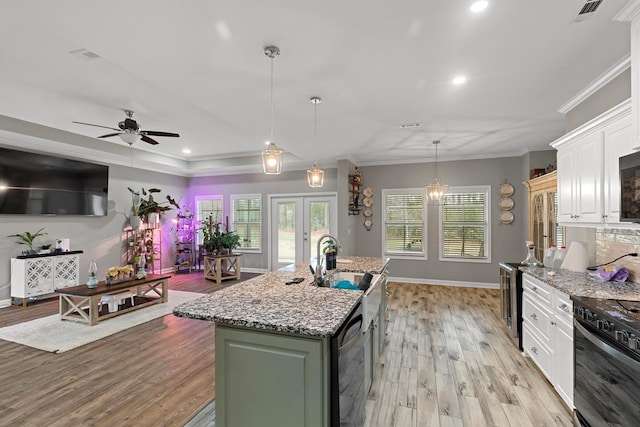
(82, 304)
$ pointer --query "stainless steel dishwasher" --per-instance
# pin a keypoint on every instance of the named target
(347, 372)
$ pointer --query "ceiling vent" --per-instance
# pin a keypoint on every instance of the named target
(410, 125)
(588, 10)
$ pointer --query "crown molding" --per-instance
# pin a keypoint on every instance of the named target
(611, 115)
(628, 12)
(614, 71)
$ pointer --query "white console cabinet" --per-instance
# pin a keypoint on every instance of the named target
(39, 275)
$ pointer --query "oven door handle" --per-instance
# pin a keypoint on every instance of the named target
(613, 352)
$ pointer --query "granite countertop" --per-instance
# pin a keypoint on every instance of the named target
(266, 303)
(585, 285)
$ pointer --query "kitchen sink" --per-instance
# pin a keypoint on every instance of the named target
(371, 298)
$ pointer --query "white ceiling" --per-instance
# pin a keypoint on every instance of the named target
(198, 68)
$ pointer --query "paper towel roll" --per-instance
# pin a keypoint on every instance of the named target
(576, 258)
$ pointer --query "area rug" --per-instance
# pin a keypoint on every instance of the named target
(56, 336)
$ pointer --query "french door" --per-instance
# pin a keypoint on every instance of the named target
(296, 224)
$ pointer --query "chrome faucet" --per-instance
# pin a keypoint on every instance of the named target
(318, 278)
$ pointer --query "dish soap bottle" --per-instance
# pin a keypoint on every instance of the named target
(530, 260)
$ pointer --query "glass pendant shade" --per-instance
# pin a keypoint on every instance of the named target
(436, 191)
(315, 176)
(272, 160)
(272, 155)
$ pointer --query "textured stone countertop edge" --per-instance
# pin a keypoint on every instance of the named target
(273, 317)
(584, 284)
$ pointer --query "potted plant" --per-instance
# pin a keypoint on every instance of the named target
(212, 238)
(230, 241)
(144, 205)
(28, 238)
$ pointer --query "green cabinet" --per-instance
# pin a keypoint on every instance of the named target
(266, 378)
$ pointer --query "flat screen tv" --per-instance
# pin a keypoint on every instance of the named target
(630, 188)
(39, 184)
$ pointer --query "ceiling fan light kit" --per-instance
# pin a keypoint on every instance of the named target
(129, 131)
(315, 175)
(272, 155)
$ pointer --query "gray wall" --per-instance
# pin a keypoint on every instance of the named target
(100, 238)
(605, 98)
(294, 182)
(507, 243)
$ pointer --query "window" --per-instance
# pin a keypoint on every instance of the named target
(247, 220)
(208, 210)
(404, 223)
(464, 227)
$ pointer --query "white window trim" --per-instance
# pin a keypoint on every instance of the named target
(232, 199)
(425, 234)
(197, 211)
(468, 189)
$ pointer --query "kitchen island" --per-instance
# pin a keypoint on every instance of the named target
(274, 345)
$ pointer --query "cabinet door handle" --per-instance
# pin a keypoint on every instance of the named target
(553, 323)
(533, 316)
(535, 289)
(564, 308)
(534, 350)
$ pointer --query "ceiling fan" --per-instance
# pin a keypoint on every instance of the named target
(130, 132)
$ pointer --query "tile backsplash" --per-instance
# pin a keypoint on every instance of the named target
(612, 242)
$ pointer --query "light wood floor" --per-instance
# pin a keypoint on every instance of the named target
(447, 361)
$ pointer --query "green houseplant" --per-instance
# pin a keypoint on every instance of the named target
(143, 203)
(28, 238)
(231, 241)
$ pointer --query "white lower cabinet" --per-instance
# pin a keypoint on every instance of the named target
(547, 333)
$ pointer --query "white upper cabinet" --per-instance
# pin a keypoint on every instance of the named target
(588, 171)
(619, 142)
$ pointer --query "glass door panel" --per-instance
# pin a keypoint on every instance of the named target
(296, 225)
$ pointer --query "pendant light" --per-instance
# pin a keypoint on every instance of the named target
(315, 175)
(272, 155)
(436, 191)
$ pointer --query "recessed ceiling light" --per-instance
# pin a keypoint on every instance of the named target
(458, 80)
(479, 6)
(186, 151)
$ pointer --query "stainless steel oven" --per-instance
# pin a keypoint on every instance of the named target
(511, 300)
(607, 362)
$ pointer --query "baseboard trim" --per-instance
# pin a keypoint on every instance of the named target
(420, 281)
(254, 270)
(5, 303)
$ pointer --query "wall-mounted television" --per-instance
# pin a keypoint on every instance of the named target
(39, 184)
(630, 188)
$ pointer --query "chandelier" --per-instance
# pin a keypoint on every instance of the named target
(436, 191)
(315, 175)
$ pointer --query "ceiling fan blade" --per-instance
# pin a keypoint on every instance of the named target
(98, 126)
(158, 133)
(145, 138)
(109, 135)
